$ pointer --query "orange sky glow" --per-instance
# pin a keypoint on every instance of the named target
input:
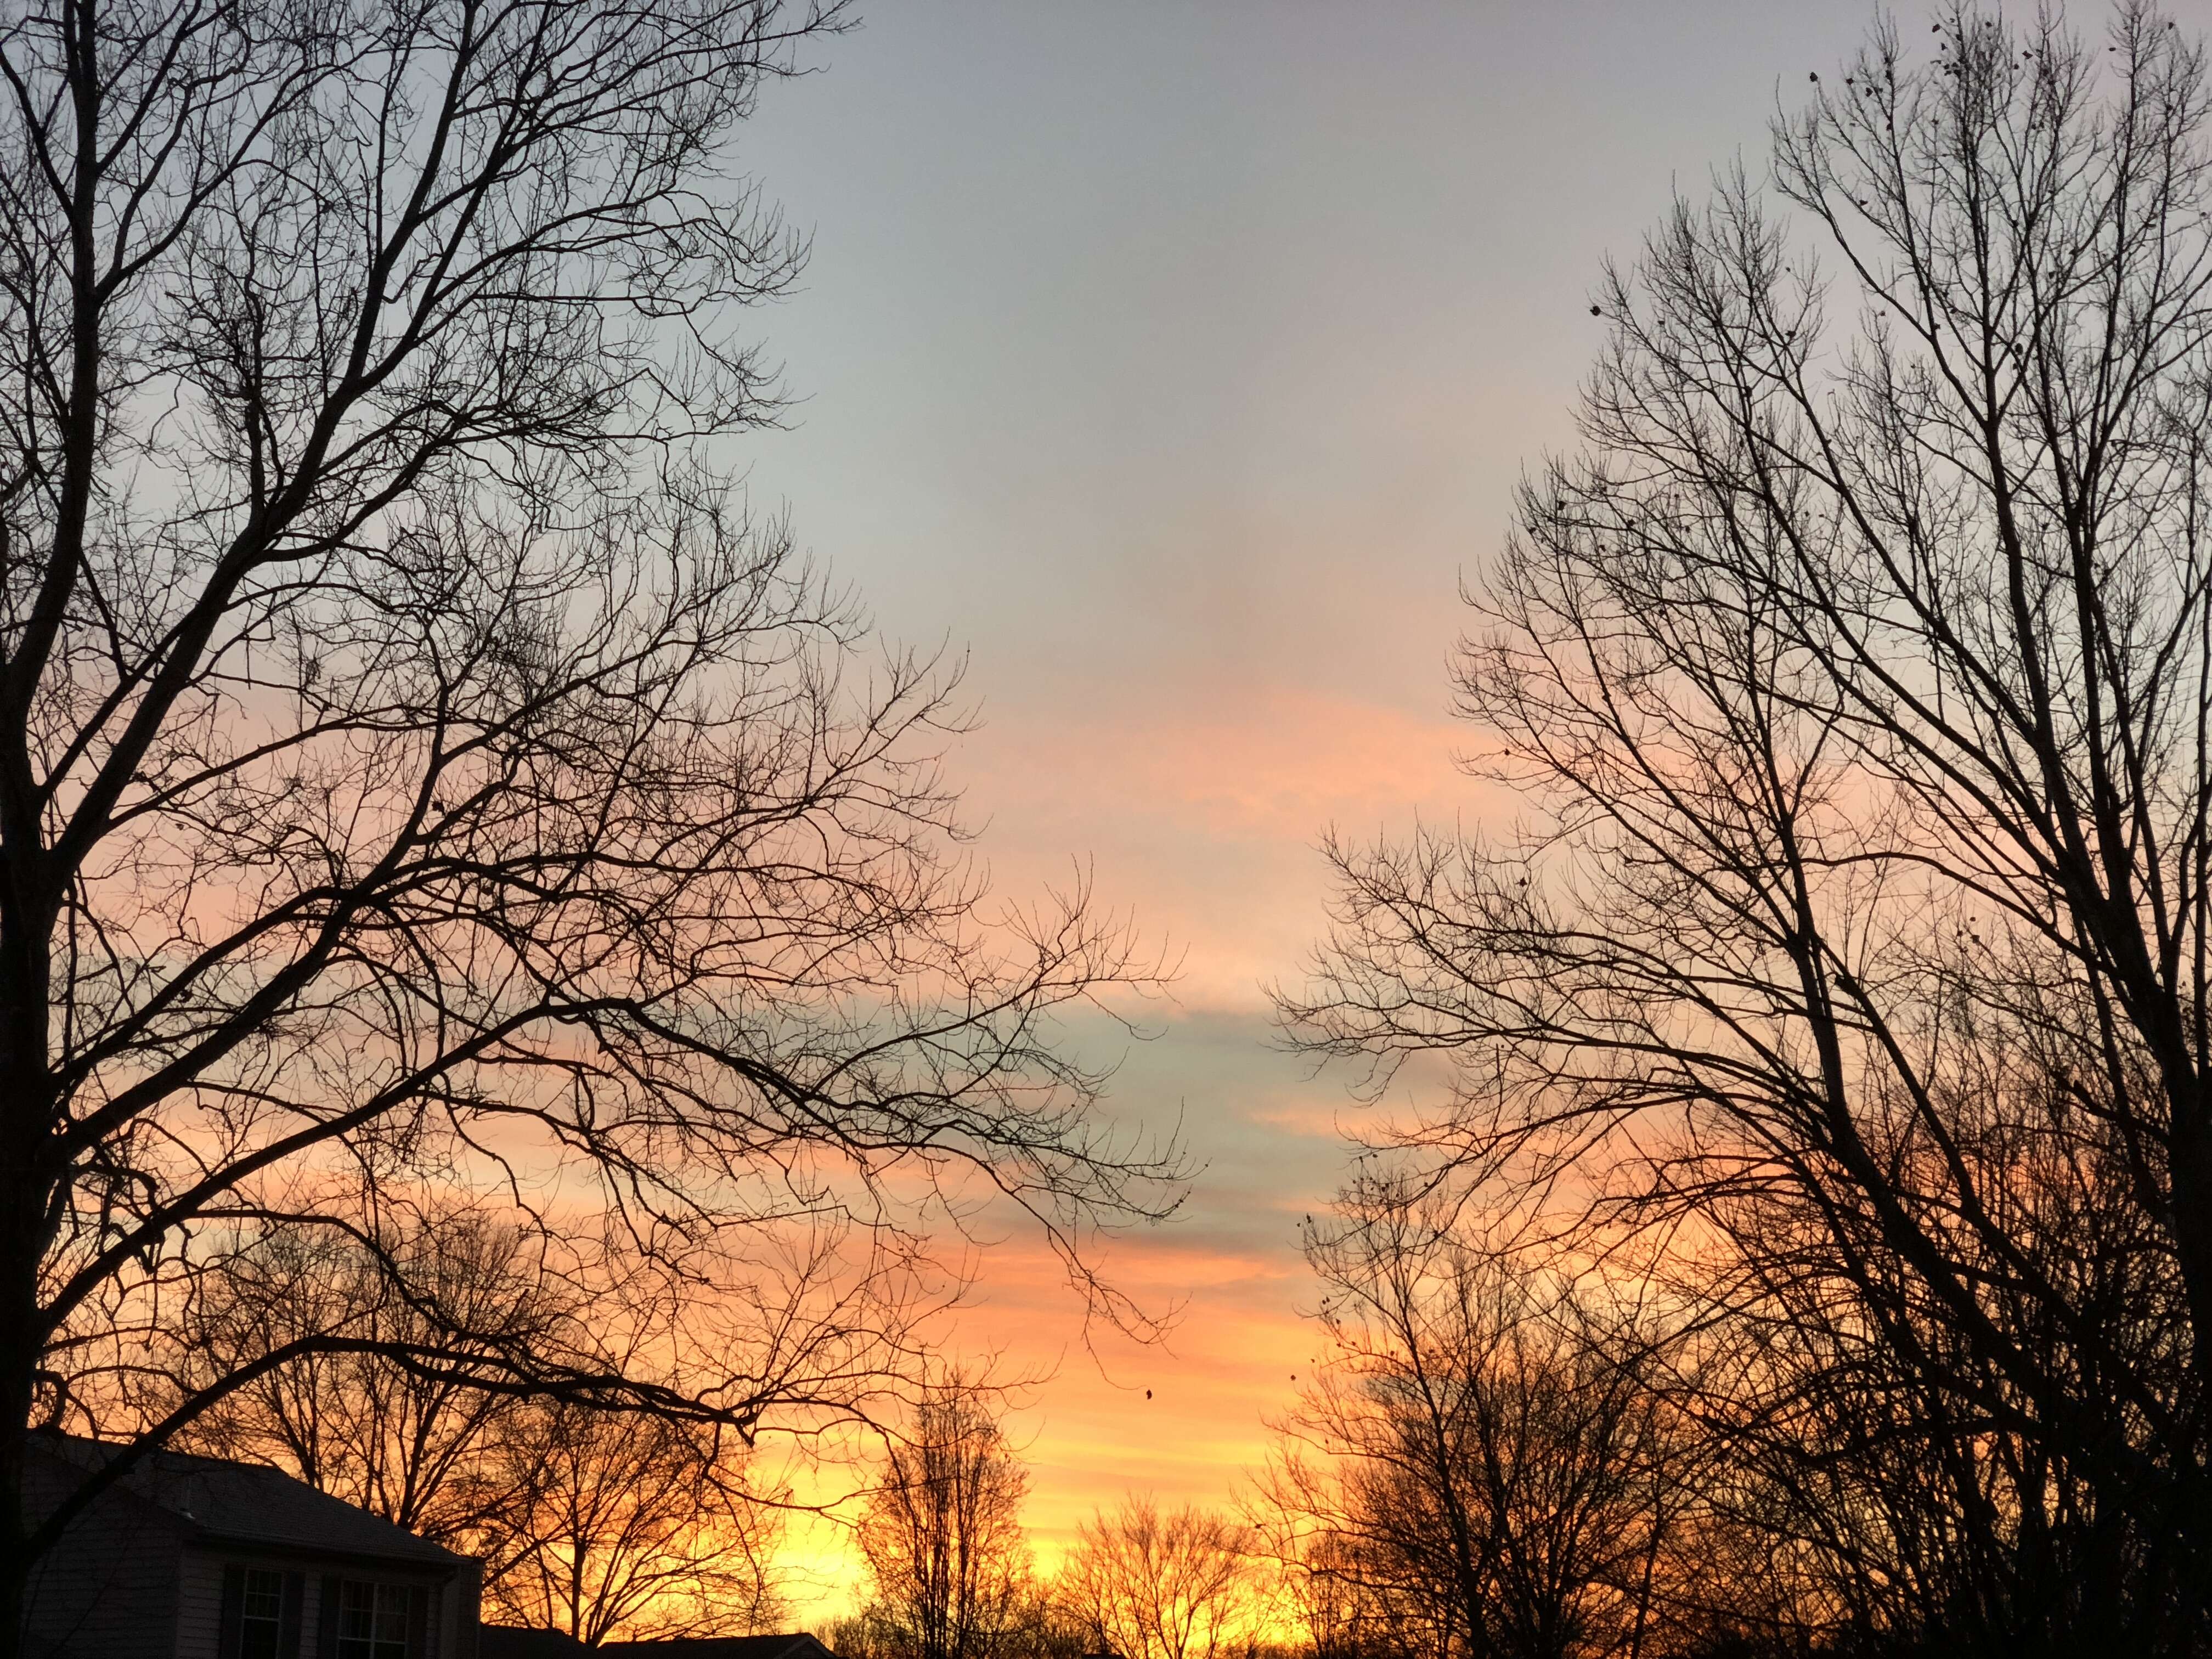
(1174, 364)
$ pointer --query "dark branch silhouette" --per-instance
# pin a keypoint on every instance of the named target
(422, 783)
(1853, 972)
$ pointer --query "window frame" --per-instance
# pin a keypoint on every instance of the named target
(399, 1616)
(249, 1625)
(261, 1613)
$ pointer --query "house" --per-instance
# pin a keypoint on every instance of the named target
(196, 1557)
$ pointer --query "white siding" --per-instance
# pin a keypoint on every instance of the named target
(131, 1580)
(199, 1607)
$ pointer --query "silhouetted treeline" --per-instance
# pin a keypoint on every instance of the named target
(951, 1573)
(597, 1522)
(1814, 1252)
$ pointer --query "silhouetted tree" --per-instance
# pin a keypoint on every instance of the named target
(1482, 1466)
(948, 1561)
(1152, 1585)
(1859, 673)
(413, 1445)
(418, 775)
(600, 1524)
(632, 1528)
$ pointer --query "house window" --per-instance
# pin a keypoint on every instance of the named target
(372, 1622)
(260, 1614)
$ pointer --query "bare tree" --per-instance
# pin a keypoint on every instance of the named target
(948, 1561)
(1149, 1585)
(1333, 1598)
(413, 1445)
(418, 773)
(1483, 1466)
(607, 1528)
(1859, 674)
(599, 1524)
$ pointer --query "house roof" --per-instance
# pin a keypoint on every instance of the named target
(521, 1642)
(525, 1641)
(788, 1644)
(221, 1501)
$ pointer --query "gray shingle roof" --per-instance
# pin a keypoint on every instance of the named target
(520, 1642)
(789, 1645)
(250, 1503)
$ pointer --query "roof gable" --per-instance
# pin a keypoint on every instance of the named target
(220, 1501)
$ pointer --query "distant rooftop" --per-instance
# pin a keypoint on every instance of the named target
(521, 1642)
(790, 1644)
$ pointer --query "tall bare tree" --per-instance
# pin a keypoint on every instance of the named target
(419, 776)
(600, 1524)
(1484, 1465)
(1857, 956)
(613, 1528)
(413, 1445)
(1152, 1585)
(948, 1561)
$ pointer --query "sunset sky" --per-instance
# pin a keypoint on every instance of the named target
(1174, 362)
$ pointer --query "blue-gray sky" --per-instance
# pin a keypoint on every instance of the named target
(1175, 361)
